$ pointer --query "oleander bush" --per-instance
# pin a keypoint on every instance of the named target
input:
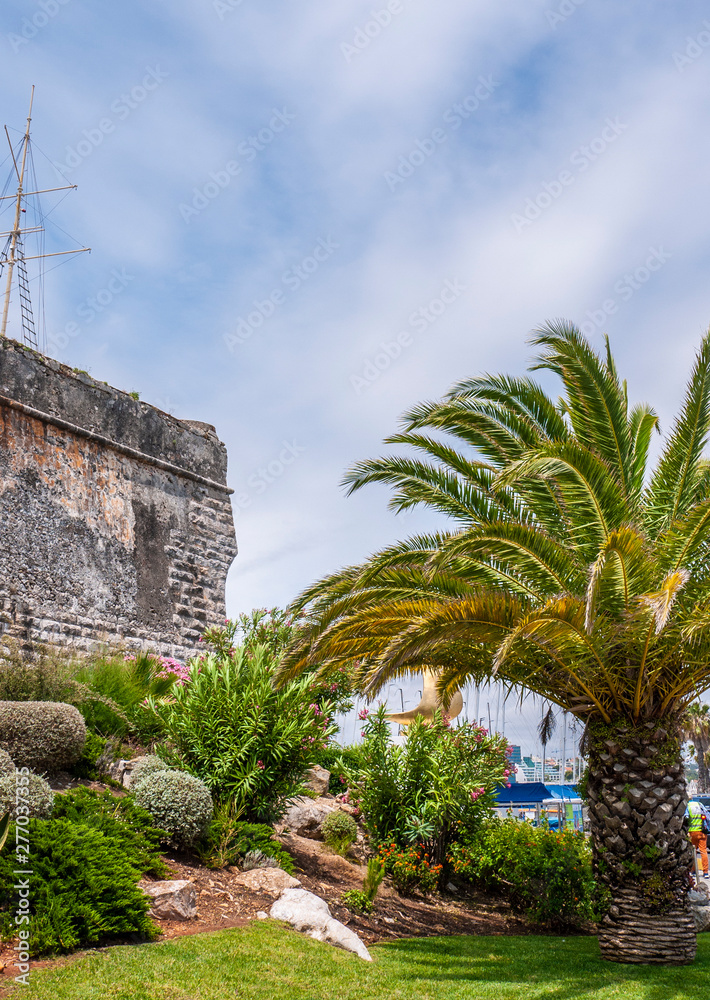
(250, 743)
(145, 766)
(42, 735)
(339, 831)
(29, 791)
(119, 819)
(83, 887)
(434, 789)
(544, 873)
(228, 840)
(179, 803)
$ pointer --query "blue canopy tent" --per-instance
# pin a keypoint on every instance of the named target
(532, 800)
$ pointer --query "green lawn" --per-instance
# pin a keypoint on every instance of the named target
(268, 962)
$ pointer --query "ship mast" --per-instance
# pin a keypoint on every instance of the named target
(13, 254)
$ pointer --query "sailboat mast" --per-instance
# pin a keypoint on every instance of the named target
(18, 212)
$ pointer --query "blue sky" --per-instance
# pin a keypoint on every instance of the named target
(283, 189)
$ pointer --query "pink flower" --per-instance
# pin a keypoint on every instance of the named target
(363, 713)
(260, 765)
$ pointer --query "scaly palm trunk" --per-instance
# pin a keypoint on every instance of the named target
(637, 799)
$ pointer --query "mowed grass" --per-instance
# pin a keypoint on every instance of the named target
(266, 961)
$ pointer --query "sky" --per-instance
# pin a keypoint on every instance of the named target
(304, 218)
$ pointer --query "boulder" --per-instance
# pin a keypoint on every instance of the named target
(305, 816)
(701, 916)
(120, 771)
(172, 900)
(317, 779)
(310, 914)
(271, 880)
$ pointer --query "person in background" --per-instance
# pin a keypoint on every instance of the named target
(698, 826)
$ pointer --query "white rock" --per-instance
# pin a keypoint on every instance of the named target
(260, 915)
(273, 880)
(172, 900)
(310, 914)
(317, 779)
(305, 816)
(701, 916)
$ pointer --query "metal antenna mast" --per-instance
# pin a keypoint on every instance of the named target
(13, 252)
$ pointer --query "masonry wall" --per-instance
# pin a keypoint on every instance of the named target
(115, 519)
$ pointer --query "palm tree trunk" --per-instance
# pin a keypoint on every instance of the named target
(642, 856)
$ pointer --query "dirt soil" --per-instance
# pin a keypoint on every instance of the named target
(223, 903)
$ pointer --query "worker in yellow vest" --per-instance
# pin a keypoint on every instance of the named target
(698, 828)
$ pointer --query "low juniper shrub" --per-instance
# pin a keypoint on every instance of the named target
(83, 888)
(119, 819)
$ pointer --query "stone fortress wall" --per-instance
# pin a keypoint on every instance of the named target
(115, 519)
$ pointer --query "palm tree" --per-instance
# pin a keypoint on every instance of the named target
(696, 728)
(566, 567)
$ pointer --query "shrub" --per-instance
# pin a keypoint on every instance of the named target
(42, 735)
(364, 899)
(7, 764)
(47, 676)
(546, 874)
(257, 859)
(250, 743)
(121, 820)
(434, 789)
(274, 629)
(82, 888)
(339, 831)
(179, 803)
(145, 766)
(228, 840)
(410, 869)
(94, 749)
(34, 793)
(118, 685)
